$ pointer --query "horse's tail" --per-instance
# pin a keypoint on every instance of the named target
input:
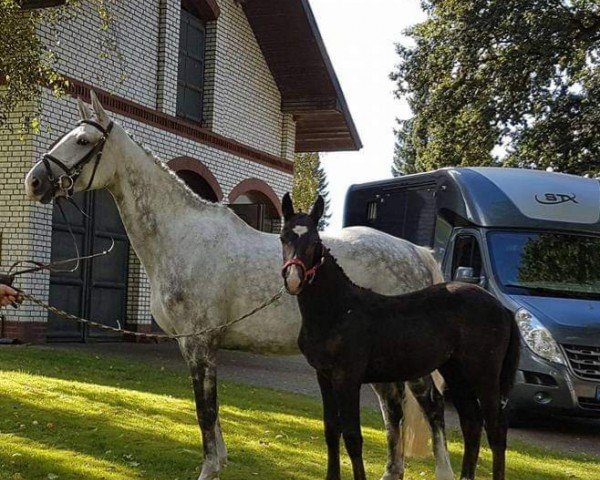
(415, 428)
(511, 359)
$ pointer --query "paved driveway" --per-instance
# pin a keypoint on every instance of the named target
(293, 374)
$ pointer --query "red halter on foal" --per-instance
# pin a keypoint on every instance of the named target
(307, 274)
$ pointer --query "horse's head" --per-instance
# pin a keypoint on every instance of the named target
(79, 160)
(301, 243)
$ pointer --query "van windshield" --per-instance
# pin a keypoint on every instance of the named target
(546, 264)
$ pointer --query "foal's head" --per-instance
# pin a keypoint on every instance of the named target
(302, 248)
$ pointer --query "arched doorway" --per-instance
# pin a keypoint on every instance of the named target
(257, 204)
(198, 185)
(198, 177)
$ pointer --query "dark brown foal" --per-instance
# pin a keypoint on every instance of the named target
(353, 336)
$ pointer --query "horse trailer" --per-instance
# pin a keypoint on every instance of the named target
(532, 239)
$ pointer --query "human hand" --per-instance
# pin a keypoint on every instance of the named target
(8, 296)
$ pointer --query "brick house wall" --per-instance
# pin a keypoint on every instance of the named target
(241, 102)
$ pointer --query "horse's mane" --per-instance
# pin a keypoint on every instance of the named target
(192, 197)
(328, 255)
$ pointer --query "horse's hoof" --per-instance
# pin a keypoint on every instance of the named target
(209, 476)
(444, 474)
(393, 476)
(209, 471)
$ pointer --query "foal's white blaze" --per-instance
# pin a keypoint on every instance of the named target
(293, 279)
(300, 230)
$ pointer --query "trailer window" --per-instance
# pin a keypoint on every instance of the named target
(372, 212)
(466, 254)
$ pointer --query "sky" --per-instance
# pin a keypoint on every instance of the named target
(361, 42)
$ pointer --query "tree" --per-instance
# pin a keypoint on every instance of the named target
(482, 74)
(27, 64)
(310, 180)
(323, 190)
(405, 155)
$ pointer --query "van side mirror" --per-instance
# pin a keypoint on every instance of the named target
(467, 275)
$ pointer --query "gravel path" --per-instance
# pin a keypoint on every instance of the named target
(293, 374)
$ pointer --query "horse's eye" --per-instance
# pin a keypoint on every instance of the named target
(83, 141)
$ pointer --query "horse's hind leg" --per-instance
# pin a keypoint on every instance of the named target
(390, 397)
(201, 359)
(347, 397)
(432, 403)
(469, 413)
(495, 426)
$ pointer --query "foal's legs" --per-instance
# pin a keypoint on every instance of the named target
(348, 400)
(390, 397)
(201, 359)
(333, 430)
(432, 403)
(495, 426)
(469, 413)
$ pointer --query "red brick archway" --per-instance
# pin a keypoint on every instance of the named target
(256, 185)
(191, 164)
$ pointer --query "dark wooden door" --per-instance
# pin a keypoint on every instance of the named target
(253, 214)
(98, 289)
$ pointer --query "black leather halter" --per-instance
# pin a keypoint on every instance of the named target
(65, 182)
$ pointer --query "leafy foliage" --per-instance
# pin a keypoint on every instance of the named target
(304, 190)
(310, 180)
(27, 64)
(501, 73)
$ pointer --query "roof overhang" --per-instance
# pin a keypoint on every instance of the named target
(289, 38)
(208, 9)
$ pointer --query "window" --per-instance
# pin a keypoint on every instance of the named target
(466, 254)
(443, 231)
(190, 80)
(372, 212)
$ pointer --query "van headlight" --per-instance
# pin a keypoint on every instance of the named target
(537, 337)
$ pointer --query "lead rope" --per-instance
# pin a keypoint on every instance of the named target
(204, 331)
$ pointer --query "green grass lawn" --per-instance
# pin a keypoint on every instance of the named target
(72, 415)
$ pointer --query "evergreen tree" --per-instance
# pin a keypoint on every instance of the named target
(323, 190)
(305, 182)
(404, 152)
(310, 180)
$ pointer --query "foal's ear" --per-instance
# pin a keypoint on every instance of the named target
(287, 206)
(317, 210)
(84, 111)
(101, 114)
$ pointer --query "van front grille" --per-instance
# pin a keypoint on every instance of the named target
(585, 361)
(589, 403)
